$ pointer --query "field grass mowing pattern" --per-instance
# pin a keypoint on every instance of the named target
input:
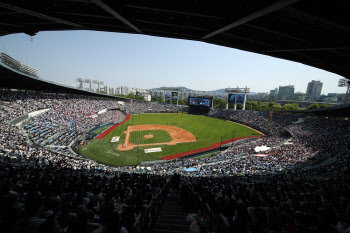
(159, 136)
(207, 130)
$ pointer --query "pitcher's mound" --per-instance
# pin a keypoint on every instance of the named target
(149, 136)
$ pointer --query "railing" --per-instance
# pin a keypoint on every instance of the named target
(147, 217)
(217, 222)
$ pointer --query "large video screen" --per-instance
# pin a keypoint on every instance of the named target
(200, 101)
(167, 95)
(174, 95)
(232, 98)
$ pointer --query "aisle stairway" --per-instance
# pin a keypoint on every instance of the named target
(172, 219)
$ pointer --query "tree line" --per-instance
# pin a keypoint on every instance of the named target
(250, 104)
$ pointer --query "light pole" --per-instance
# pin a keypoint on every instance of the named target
(251, 107)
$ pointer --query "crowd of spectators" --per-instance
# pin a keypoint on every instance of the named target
(238, 158)
(52, 198)
(71, 116)
(136, 107)
(13, 141)
(260, 120)
(277, 203)
(18, 103)
(58, 194)
(67, 117)
(310, 142)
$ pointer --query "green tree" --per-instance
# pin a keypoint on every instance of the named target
(314, 106)
(182, 102)
(219, 103)
(291, 107)
(239, 107)
(324, 105)
(277, 107)
(130, 95)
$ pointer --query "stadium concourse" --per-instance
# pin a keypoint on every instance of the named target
(301, 184)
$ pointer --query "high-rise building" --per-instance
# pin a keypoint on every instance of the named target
(273, 93)
(285, 92)
(314, 89)
(125, 90)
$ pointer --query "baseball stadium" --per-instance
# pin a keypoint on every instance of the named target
(78, 160)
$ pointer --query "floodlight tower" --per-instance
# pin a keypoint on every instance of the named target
(345, 83)
(81, 81)
(96, 82)
(100, 83)
(88, 81)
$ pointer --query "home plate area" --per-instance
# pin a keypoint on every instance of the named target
(145, 135)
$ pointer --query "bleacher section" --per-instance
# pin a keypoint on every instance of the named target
(300, 184)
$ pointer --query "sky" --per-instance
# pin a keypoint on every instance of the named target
(147, 62)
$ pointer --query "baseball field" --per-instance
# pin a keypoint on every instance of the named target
(172, 133)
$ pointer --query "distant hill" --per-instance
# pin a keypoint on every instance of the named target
(181, 88)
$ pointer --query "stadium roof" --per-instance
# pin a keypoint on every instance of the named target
(312, 32)
(14, 79)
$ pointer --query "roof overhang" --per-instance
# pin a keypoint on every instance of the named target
(312, 32)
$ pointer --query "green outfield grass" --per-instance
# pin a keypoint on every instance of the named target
(159, 136)
(207, 130)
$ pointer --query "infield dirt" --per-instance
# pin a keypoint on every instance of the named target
(179, 135)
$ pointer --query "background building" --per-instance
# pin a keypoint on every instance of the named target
(299, 96)
(285, 92)
(314, 89)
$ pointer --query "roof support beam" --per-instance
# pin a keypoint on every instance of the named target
(273, 32)
(84, 15)
(328, 49)
(170, 25)
(37, 14)
(271, 8)
(108, 9)
(318, 18)
(248, 39)
(10, 24)
(172, 11)
(316, 59)
(303, 49)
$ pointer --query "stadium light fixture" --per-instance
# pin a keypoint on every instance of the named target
(81, 81)
(345, 83)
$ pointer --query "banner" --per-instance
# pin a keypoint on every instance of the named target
(102, 111)
(232, 98)
(200, 101)
(158, 149)
(174, 95)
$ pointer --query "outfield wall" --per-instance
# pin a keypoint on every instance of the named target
(209, 148)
